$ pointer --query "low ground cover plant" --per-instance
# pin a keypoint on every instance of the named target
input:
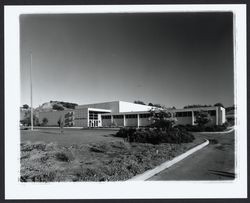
(105, 161)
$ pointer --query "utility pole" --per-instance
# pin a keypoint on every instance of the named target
(31, 102)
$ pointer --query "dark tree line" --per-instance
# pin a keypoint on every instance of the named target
(68, 105)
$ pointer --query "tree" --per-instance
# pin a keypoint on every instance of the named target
(219, 104)
(139, 102)
(196, 106)
(150, 104)
(25, 106)
(27, 119)
(170, 108)
(202, 118)
(230, 108)
(61, 123)
(159, 106)
(57, 107)
(45, 121)
(162, 119)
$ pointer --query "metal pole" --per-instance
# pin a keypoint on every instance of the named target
(31, 102)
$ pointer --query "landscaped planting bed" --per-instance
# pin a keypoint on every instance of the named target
(104, 161)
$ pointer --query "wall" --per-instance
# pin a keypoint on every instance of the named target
(118, 122)
(117, 106)
(113, 106)
(144, 122)
(81, 117)
(183, 120)
(106, 122)
(220, 115)
(128, 107)
(131, 122)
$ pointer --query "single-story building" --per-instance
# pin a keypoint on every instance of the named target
(124, 114)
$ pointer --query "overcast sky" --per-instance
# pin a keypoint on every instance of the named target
(171, 59)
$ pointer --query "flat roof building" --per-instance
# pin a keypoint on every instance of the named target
(124, 114)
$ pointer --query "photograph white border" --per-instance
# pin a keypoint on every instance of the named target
(14, 189)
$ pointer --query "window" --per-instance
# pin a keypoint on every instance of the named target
(131, 116)
(118, 116)
(106, 117)
(93, 115)
(144, 115)
(178, 114)
(183, 114)
(212, 112)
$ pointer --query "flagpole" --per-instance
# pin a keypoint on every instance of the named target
(31, 102)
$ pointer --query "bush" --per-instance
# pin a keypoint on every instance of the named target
(125, 132)
(202, 118)
(231, 121)
(196, 128)
(60, 156)
(156, 136)
(162, 124)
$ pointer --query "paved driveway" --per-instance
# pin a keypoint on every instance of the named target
(214, 162)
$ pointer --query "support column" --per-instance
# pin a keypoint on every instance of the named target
(192, 117)
(112, 120)
(217, 116)
(124, 121)
(87, 118)
(138, 121)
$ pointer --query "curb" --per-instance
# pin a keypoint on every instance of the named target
(211, 133)
(148, 174)
(53, 127)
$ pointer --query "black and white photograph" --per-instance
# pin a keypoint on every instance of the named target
(135, 97)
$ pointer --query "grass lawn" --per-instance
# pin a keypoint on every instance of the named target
(89, 155)
(69, 136)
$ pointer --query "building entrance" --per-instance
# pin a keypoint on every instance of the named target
(93, 123)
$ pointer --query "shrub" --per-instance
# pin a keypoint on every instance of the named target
(157, 136)
(197, 128)
(231, 121)
(226, 124)
(62, 157)
(215, 128)
(162, 124)
(202, 118)
(125, 132)
(44, 121)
